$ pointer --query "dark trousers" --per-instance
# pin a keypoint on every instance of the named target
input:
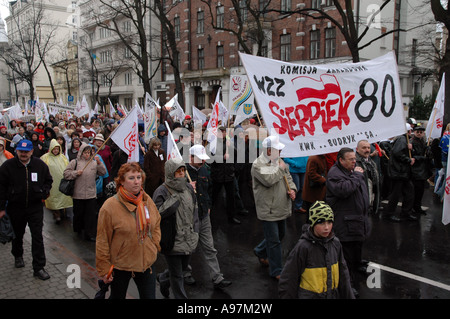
(34, 217)
(405, 190)
(353, 255)
(173, 276)
(419, 189)
(229, 195)
(145, 282)
(85, 216)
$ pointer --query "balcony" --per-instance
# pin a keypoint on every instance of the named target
(205, 74)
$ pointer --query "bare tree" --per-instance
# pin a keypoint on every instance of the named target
(111, 15)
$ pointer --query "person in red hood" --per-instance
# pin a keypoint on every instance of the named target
(40, 130)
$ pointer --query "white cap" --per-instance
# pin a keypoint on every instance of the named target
(408, 127)
(199, 151)
(273, 142)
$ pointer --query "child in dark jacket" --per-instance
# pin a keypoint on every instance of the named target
(315, 268)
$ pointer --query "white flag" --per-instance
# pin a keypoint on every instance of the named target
(213, 125)
(223, 113)
(111, 109)
(198, 115)
(435, 123)
(446, 201)
(150, 103)
(172, 148)
(175, 109)
(82, 108)
(126, 136)
(15, 112)
(96, 108)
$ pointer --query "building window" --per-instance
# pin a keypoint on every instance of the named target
(330, 42)
(104, 33)
(127, 53)
(286, 5)
(220, 61)
(243, 10)
(127, 26)
(200, 22)
(315, 44)
(220, 16)
(128, 78)
(201, 59)
(285, 46)
(106, 80)
(176, 25)
(105, 56)
(315, 4)
(265, 49)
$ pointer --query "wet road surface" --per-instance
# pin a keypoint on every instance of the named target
(414, 257)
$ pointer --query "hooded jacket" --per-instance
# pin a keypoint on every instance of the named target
(117, 240)
(176, 197)
(47, 139)
(56, 164)
(315, 269)
(269, 189)
(85, 186)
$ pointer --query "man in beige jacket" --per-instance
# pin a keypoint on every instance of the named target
(274, 191)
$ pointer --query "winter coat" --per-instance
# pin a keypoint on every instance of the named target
(296, 164)
(399, 162)
(315, 269)
(163, 138)
(348, 196)
(57, 165)
(270, 190)
(176, 202)
(221, 171)
(314, 185)
(24, 187)
(37, 144)
(203, 189)
(85, 185)
(72, 152)
(154, 170)
(117, 240)
(421, 169)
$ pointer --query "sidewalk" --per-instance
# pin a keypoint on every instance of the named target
(19, 283)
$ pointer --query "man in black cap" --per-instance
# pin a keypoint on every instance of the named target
(25, 181)
(421, 170)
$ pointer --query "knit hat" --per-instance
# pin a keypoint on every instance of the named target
(320, 212)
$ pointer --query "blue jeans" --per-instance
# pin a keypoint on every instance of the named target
(270, 246)
(298, 179)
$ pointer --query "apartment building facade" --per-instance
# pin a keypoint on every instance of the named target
(108, 71)
(209, 56)
(50, 18)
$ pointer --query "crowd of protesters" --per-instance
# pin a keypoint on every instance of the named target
(81, 149)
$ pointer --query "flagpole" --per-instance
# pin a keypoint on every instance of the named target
(96, 153)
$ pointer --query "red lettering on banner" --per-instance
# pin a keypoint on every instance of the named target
(439, 123)
(130, 141)
(324, 100)
(447, 186)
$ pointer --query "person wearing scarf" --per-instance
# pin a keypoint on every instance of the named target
(128, 235)
(177, 204)
(4, 154)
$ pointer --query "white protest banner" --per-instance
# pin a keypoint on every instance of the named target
(61, 107)
(111, 109)
(126, 136)
(223, 113)
(15, 112)
(175, 109)
(435, 122)
(318, 109)
(82, 108)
